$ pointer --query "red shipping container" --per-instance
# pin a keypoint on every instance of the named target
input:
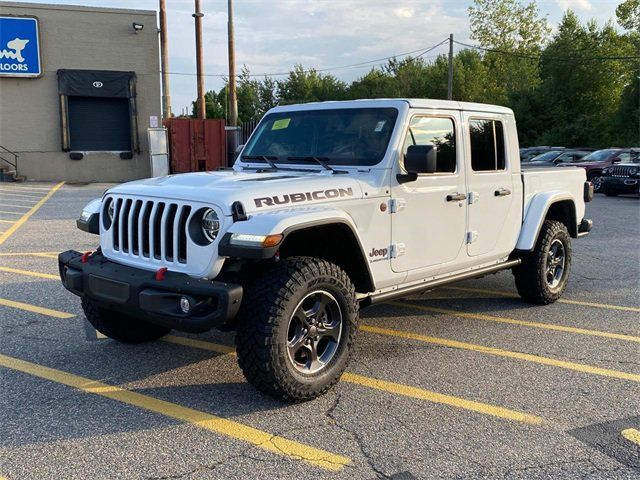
(196, 145)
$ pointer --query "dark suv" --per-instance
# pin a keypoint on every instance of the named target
(623, 177)
(596, 162)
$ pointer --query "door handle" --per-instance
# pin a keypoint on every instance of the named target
(456, 197)
(502, 192)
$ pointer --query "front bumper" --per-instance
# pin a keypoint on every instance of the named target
(621, 184)
(138, 293)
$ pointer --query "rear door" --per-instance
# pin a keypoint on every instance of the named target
(494, 200)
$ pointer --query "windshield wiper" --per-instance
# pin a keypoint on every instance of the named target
(269, 160)
(320, 160)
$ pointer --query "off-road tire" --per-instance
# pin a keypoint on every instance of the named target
(120, 327)
(267, 307)
(531, 274)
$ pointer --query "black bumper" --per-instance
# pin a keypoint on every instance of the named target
(138, 293)
(621, 184)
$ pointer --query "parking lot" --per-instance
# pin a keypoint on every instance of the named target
(462, 382)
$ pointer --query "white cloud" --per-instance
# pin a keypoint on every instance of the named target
(404, 12)
(575, 4)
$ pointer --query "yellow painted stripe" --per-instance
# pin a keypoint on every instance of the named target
(523, 323)
(29, 273)
(35, 309)
(27, 215)
(7, 221)
(552, 362)
(202, 345)
(632, 435)
(388, 387)
(10, 213)
(421, 394)
(229, 428)
(561, 300)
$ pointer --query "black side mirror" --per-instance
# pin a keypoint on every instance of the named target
(419, 159)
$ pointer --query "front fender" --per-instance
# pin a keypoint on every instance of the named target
(279, 222)
(535, 215)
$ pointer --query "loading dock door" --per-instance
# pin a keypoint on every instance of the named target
(99, 124)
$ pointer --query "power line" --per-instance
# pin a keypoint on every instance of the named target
(539, 57)
(369, 63)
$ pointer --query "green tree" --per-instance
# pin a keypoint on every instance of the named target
(628, 13)
(303, 86)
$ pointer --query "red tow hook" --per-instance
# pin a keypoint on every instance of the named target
(85, 257)
(160, 274)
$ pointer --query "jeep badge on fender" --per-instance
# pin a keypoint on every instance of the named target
(290, 244)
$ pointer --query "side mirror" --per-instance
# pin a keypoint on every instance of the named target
(418, 159)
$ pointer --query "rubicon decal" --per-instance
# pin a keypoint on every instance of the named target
(303, 197)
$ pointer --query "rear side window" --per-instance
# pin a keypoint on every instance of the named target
(436, 131)
(487, 145)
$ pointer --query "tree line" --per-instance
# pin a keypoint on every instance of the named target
(576, 86)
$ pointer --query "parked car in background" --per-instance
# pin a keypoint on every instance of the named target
(528, 153)
(596, 162)
(556, 157)
(623, 177)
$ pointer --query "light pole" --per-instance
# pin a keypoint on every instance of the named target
(199, 61)
(164, 58)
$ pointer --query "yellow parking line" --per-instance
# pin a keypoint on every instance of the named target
(7, 221)
(223, 426)
(35, 309)
(27, 254)
(388, 387)
(561, 300)
(29, 273)
(552, 362)
(10, 213)
(632, 435)
(27, 215)
(523, 323)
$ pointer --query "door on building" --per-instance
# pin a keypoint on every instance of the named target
(99, 124)
(430, 222)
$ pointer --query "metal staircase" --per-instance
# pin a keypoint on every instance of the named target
(9, 168)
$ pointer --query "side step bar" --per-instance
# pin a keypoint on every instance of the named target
(404, 291)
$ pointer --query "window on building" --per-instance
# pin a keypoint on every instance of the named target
(436, 131)
(99, 124)
(487, 145)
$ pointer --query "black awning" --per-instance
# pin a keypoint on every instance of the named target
(96, 83)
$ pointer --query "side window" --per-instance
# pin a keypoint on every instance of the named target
(487, 145)
(436, 131)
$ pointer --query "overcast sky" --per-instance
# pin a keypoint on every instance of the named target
(273, 35)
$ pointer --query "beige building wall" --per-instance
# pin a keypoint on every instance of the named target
(75, 37)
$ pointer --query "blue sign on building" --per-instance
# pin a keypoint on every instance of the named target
(19, 47)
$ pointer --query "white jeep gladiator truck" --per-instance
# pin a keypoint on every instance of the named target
(330, 207)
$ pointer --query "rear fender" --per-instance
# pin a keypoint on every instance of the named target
(537, 213)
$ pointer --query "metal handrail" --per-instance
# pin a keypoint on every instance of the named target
(14, 164)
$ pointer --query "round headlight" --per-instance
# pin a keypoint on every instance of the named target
(111, 210)
(633, 171)
(210, 224)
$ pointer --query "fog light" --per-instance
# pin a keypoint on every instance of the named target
(185, 304)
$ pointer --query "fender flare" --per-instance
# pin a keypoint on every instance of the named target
(535, 215)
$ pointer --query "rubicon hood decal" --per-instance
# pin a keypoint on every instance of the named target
(303, 197)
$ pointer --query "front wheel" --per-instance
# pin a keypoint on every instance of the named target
(596, 180)
(121, 327)
(542, 276)
(297, 328)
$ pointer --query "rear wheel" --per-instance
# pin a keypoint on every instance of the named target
(297, 327)
(596, 180)
(542, 276)
(121, 327)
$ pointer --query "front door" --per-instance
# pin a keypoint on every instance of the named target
(429, 214)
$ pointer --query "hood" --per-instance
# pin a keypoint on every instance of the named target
(257, 191)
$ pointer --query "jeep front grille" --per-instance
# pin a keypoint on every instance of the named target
(149, 229)
(620, 171)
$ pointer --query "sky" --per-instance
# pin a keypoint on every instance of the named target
(273, 35)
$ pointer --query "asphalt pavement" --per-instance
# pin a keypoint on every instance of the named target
(462, 382)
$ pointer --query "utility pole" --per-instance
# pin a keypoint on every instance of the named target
(450, 82)
(164, 58)
(232, 130)
(199, 61)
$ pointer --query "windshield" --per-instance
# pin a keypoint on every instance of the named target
(545, 157)
(599, 156)
(346, 136)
